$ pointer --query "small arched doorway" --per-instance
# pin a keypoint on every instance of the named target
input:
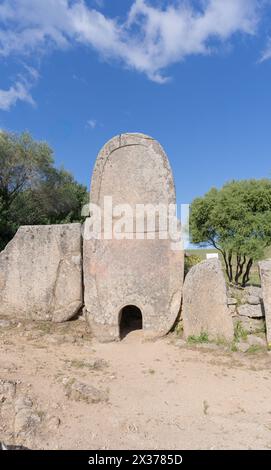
(130, 319)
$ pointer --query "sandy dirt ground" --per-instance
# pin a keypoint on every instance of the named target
(147, 394)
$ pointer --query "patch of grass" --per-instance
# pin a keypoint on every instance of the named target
(202, 338)
(205, 407)
(69, 383)
(255, 277)
(201, 252)
(95, 364)
(40, 346)
(191, 261)
(258, 331)
(41, 414)
(240, 332)
(44, 327)
(221, 342)
(234, 347)
(255, 348)
(77, 364)
(238, 295)
(179, 328)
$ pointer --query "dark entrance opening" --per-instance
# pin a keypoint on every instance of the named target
(130, 320)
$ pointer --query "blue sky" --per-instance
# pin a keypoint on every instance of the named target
(196, 75)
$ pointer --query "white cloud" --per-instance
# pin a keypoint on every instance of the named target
(99, 3)
(20, 90)
(266, 55)
(17, 92)
(149, 40)
(79, 79)
(170, 35)
(92, 123)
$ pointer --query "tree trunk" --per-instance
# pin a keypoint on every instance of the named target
(239, 268)
(245, 278)
(238, 264)
(224, 254)
(230, 265)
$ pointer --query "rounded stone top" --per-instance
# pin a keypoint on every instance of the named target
(134, 169)
(135, 134)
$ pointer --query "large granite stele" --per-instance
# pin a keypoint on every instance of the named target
(148, 274)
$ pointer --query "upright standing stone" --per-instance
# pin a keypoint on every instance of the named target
(265, 275)
(41, 273)
(145, 273)
(205, 302)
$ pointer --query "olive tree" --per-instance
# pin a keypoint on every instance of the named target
(236, 220)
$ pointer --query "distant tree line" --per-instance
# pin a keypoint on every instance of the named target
(32, 190)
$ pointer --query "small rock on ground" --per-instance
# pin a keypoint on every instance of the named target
(80, 391)
(26, 422)
(243, 347)
(4, 323)
(254, 340)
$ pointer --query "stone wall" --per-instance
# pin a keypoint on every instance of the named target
(246, 306)
(265, 274)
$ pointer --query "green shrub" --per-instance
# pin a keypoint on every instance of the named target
(202, 338)
(190, 261)
(240, 332)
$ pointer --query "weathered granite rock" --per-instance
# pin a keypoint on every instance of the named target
(146, 273)
(256, 341)
(5, 323)
(243, 346)
(53, 422)
(253, 291)
(249, 295)
(253, 300)
(80, 391)
(265, 274)
(26, 419)
(22, 402)
(231, 301)
(205, 302)
(7, 396)
(251, 311)
(251, 325)
(41, 273)
(253, 295)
